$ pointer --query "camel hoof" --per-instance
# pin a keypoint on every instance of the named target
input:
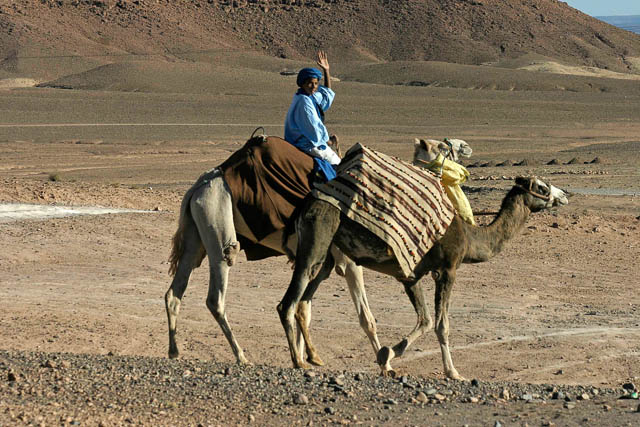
(315, 360)
(173, 353)
(341, 270)
(456, 376)
(391, 373)
(302, 365)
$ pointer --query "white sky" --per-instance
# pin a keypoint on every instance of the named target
(606, 7)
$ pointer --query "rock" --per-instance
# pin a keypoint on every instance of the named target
(475, 382)
(504, 394)
(431, 391)
(584, 396)
(358, 377)
(629, 386)
(573, 161)
(329, 410)
(50, 364)
(553, 162)
(440, 397)
(11, 376)
(557, 395)
(497, 424)
(474, 399)
(390, 402)
(336, 381)
(528, 397)
(310, 374)
(421, 397)
(300, 399)
(569, 405)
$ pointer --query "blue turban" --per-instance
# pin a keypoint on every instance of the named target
(308, 73)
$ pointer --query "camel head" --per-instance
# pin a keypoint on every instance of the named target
(459, 148)
(540, 195)
(426, 150)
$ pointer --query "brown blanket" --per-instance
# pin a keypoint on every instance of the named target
(402, 204)
(268, 178)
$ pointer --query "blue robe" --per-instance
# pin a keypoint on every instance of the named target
(304, 127)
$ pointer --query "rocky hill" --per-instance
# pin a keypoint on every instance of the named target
(33, 34)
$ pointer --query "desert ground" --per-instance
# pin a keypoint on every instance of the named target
(84, 336)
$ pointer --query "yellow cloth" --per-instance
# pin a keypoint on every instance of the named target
(453, 175)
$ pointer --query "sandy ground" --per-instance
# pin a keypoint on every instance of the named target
(558, 306)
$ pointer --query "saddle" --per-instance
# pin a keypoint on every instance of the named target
(268, 178)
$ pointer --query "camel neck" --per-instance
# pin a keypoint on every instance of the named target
(486, 242)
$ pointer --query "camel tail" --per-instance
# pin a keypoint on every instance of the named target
(186, 221)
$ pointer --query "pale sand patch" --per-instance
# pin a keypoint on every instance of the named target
(17, 83)
(19, 211)
(557, 68)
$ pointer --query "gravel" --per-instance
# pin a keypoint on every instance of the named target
(85, 389)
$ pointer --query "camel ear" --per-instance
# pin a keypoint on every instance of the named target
(416, 141)
(523, 181)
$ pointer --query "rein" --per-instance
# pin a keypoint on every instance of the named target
(533, 193)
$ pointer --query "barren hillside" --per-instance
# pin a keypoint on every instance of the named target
(35, 35)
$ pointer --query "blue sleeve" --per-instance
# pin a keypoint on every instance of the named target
(324, 97)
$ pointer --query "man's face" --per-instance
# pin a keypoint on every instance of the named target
(310, 86)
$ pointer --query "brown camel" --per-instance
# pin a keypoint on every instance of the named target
(320, 224)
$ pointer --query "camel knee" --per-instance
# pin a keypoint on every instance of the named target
(286, 313)
(442, 331)
(426, 323)
(172, 303)
(216, 309)
(230, 252)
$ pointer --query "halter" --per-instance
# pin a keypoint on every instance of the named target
(447, 155)
(534, 193)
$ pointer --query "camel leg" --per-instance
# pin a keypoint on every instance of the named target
(173, 297)
(303, 313)
(355, 280)
(316, 228)
(444, 285)
(213, 213)
(424, 322)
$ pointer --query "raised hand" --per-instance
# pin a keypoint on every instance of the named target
(322, 61)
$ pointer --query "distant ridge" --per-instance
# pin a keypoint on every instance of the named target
(51, 38)
(627, 22)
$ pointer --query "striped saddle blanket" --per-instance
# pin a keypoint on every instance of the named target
(402, 204)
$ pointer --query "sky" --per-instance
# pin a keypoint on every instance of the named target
(606, 7)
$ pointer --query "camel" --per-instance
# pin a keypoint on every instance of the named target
(209, 226)
(426, 150)
(321, 224)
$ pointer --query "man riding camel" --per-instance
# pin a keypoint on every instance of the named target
(304, 124)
